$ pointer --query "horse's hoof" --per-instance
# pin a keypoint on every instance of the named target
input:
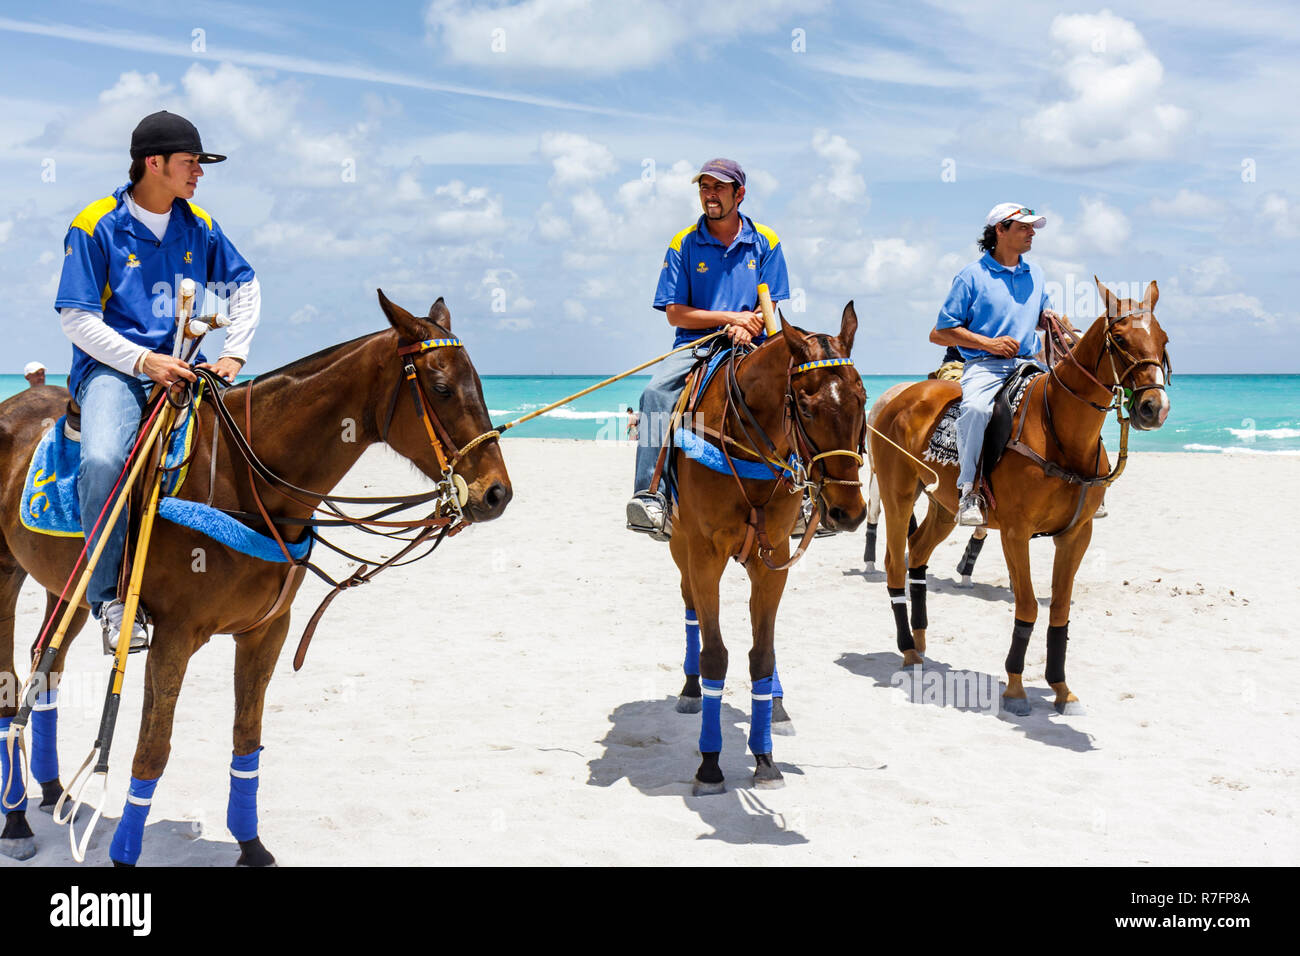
(783, 728)
(254, 854)
(766, 774)
(871, 567)
(1070, 708)
(120, 863)
(51, 790)
(965, 582)
(689, 705)
(19, 848)
(911, 658)
(1016, 706)
(701, 789)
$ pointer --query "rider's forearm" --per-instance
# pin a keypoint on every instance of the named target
(689, 317)
(89, 332)
(245, 309)
(961, 337)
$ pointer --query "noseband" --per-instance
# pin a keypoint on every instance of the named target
(1114, 346)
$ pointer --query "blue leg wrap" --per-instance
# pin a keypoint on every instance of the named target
(711, 716)
(692, 665)
(129, 836)
(241, 811)
(45, 737)
(760, 721)
(15, 786)
(776, 685)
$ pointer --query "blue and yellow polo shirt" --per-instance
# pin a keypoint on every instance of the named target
(700, 271)
(113, 264)
(992, 300)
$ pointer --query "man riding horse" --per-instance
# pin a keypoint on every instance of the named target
(119, 252)
(709, 280)
(991, 315)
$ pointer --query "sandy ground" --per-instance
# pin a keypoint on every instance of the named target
(510, 700)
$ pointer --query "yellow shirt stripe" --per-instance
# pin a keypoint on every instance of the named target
(772, 239)
(89, 217)
(201, 213)
(676, 243)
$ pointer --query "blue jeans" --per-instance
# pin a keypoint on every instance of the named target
(111, 406)
(657, 403)
(980, 381)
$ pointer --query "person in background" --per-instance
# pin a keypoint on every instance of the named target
(34, 372)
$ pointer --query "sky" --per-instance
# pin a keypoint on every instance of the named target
(529, 161)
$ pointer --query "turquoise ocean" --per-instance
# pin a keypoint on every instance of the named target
(1210, 414)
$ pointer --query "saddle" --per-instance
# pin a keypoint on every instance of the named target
(942, 447)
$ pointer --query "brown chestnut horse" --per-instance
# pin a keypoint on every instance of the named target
(802, 392)
(1060, 420)
(311, 421)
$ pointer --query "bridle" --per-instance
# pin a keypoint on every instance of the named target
(439, 438)
(804, 444)
(1123, 397)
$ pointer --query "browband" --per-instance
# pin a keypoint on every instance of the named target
(820, 363)
(427, 344)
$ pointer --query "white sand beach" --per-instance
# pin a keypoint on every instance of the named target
(510, 700)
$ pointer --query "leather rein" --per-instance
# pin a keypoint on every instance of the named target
(448, 495)
(1122, 399)
(794, 471)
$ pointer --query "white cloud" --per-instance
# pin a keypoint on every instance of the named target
(1100, 228)
(1187, 204)
(1111, 83)
(585, 36)
(1280, 214)
(305, 315)
(1209, 275)
(257, 110)
(463, 212)
(576, 158)
(6, 228)
(842, 183)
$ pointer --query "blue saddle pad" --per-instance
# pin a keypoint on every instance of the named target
(710, 456)
(50, 504)
(221, 527)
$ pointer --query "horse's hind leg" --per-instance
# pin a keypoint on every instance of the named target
(17, 839)
(45, 713)
(898, 498)
(255, 657)
(706, 566)
(688, 701)
(1015, 548)
(938, 524)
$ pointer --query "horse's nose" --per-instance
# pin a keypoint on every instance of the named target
(1153, 409)
(496, 498)
(843, 520)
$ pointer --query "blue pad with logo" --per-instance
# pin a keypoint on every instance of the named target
(49, 503)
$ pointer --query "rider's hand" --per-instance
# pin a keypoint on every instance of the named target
(226, 368)
(739, 335)
(1046, 318)
(1004, 346)
(166, 370)
(751, 322)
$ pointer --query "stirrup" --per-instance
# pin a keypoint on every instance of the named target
(641, 519)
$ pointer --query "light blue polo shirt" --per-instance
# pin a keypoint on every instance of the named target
(700, 271)
(113, 264)
(992, 300)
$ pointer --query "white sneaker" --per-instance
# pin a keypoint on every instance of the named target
(110, 620)
(971, 510)
(1101, 510)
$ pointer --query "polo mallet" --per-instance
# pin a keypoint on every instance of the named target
(769, 313)
(103, 742)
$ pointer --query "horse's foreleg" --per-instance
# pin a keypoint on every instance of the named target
(873, 522)
(17, 839)
(898, 514)
(766, 587)
(45, 712)
(1069, 554)
(255, 657)
(938, 524)
(705, 568)
(1015, 547)
(688, 701)
(169, 656)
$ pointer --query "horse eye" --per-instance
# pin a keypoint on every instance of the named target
(442, 390)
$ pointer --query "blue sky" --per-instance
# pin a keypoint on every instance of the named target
(529, 160)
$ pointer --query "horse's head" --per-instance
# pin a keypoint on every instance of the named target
(447, 388)
(1134, 354)
(827, 407)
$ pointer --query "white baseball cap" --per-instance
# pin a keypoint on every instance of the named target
(31, 367)
(1016, 213)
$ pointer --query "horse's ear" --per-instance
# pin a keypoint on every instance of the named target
(440, 315)
(794, 339)
(405, 323)
(1108, 299)
(848, 327)
(1152, 295)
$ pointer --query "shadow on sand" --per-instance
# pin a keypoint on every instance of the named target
(166, 843)
(938, 685)
(656, 750)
